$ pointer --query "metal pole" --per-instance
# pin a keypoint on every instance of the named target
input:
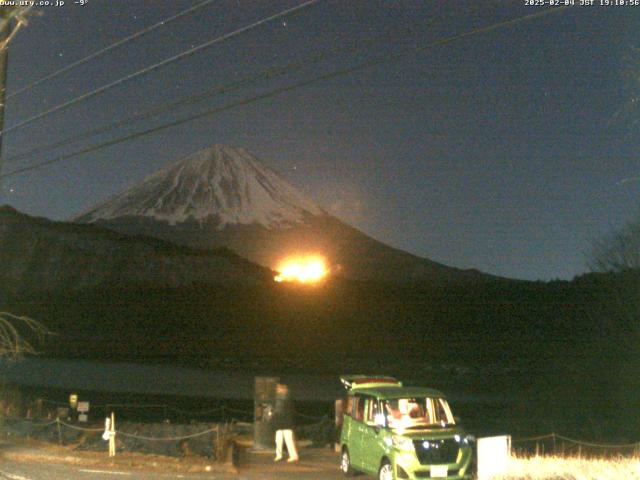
(5, 31)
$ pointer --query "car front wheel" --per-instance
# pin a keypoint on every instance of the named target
(345, 463)
(386, 471)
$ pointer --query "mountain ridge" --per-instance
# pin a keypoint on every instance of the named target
(224, 197)
(38, 254)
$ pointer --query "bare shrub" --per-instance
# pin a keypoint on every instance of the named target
(617, 252)
(18, 335)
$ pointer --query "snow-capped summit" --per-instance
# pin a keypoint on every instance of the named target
(223, 185)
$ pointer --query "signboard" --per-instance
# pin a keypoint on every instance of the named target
(83, 417)
(73, 400)
(83, 407)
(62, 412)
(493, 456)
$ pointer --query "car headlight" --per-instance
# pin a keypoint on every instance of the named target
(464, 439)
(403, 443)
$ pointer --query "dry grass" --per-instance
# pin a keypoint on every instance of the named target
(573, 468)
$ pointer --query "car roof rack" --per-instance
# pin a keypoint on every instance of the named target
(352, 382)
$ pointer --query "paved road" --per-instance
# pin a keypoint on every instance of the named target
(317, 464)
(314, 464)
(10, 470)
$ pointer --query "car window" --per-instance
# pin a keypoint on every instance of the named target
(359, 408)
(443, 412)
(348, 409)
(416, 412)
(372, 409)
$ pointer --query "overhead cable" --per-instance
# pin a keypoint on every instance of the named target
(328, 76)
(155, 66)
(108, 48)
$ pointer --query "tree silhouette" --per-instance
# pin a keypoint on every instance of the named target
(618, 251)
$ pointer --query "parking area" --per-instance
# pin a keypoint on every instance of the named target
(20, 462)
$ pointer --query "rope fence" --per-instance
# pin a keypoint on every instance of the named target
(323, 420)
(137, 436)
(215, 411)
(175, 440)
(27, 427)
(166, 439)
(551, 443)
(556, 444)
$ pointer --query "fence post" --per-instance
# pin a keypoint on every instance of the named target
(112, 436)
(218, 449)
(59, 431)
(553, 436)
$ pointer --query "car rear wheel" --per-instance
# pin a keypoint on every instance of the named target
(345, 463)
(386, 471)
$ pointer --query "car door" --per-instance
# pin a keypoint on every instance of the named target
(357, 431)
(347, 423)
(371, 443)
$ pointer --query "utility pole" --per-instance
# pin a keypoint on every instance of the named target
(7, 32)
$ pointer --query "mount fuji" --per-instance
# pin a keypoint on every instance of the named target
(225, 197)
(221, 186)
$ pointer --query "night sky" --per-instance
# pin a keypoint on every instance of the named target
(505, 151)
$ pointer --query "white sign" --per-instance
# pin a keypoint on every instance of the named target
(83, 407)
(83, 417)
(493, 456)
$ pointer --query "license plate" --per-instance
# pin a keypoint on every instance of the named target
(439, 471)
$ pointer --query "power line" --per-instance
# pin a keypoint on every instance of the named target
(162, 63)
(266, 74)
(278, 91)
(152, 112)
(108, 48)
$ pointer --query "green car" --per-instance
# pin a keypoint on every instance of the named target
(398, 432)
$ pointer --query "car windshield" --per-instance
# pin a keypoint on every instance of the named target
(417, 412)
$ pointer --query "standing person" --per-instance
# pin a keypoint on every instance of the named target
(283, 424)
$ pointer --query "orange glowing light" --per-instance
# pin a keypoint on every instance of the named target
(302, 269)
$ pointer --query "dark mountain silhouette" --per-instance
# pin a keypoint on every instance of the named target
(37, 254)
